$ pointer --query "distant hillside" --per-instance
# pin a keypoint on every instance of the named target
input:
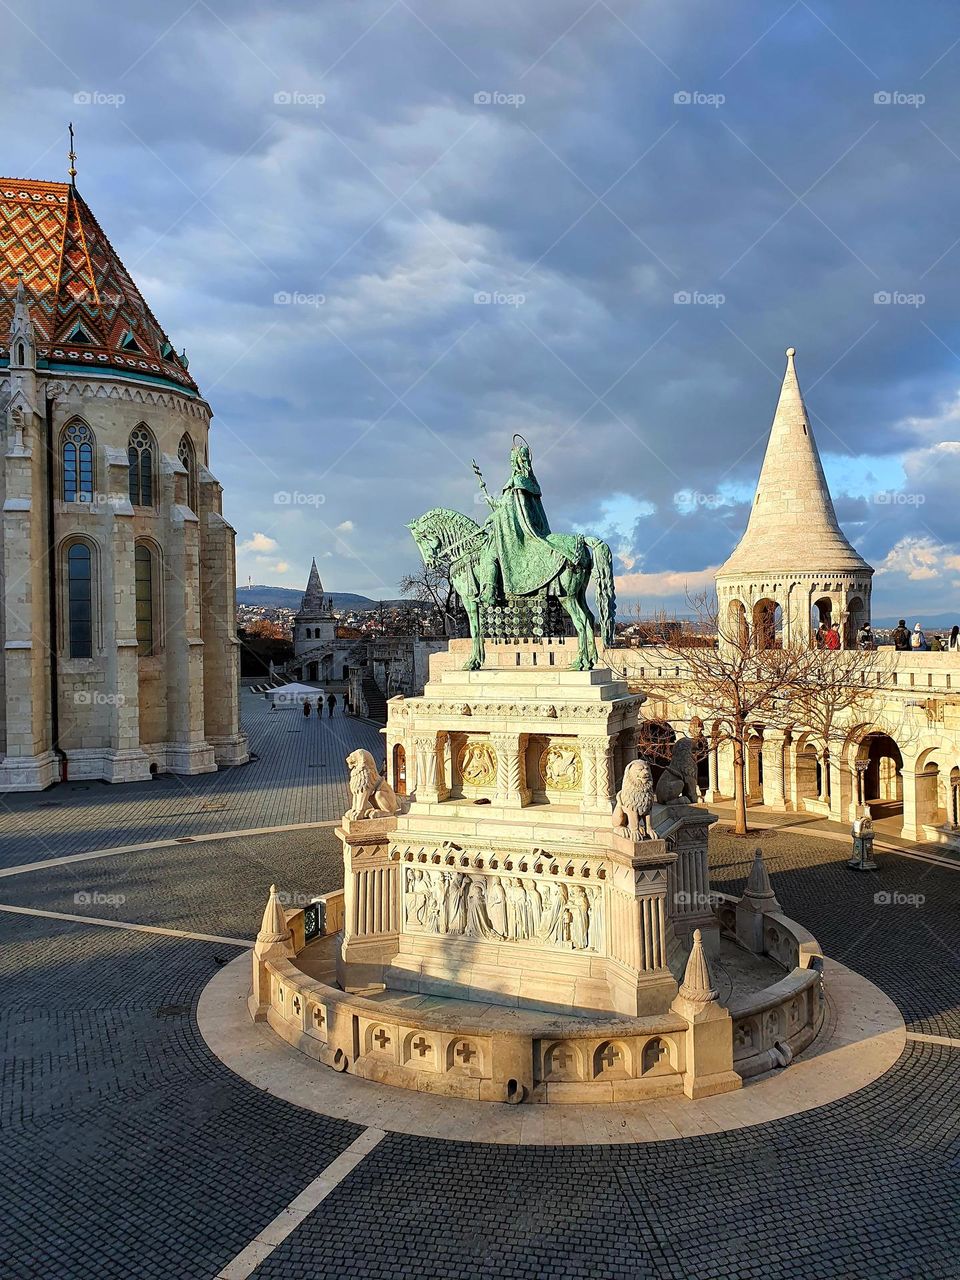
(290, 598)
(929, 621)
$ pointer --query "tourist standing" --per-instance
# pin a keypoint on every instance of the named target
(320, 707)
(306, 707)
(832, 638)
(331, 702)
(936, 645)
(865, 637)
(346, 704)
(954, 643)
(820, 636)
(918, 640)
(901, 636)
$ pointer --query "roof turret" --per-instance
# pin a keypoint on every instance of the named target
(792, 524)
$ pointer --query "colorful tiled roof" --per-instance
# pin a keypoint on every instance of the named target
(86, 309)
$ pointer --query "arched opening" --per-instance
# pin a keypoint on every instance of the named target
(141, 464)
(145, 595)
(809, 779)
(856, 617)
(313, 671)
(821, 614)
(754, 761)
(930, 811)
(187, 455)
(738, 631)
(76, 463)
(399, 769)
(882, 778)
(767, 624)
(80, 600)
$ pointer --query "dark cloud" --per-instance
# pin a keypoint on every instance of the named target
(582, 211)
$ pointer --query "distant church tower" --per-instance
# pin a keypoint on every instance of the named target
(314, 626)
(118, 649)
(793, 567)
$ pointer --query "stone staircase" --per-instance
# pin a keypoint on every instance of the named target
(376, 702)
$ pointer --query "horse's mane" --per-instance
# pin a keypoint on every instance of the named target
(440, 522)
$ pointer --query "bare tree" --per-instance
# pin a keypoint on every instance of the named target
(830, 684)
(432, 585)
(731, 682)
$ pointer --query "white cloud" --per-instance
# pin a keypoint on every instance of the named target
(258, 543)
(920, 559)
(669, 582)
(345, 526)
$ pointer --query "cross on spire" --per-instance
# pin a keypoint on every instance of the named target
(72, 156)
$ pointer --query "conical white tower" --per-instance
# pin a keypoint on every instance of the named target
(793, 567)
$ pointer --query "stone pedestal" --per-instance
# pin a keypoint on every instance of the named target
(505, 881)
(686, 829)
(371, 908)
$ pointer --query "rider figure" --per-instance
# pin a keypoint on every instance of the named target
(519, 545)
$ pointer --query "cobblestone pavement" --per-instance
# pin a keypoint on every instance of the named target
(299, 776)
(129, 1151)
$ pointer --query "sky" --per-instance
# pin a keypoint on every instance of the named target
(391, 233)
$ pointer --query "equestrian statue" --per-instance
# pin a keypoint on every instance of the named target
(513, 553)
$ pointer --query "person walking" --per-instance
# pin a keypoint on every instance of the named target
(306, 708)
(901, 636)
(346, 701)
(331, 702)
(865, 637)
(320, 707)
(918, 640)
(832, 638)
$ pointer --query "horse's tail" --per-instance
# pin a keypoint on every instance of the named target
(606, 591)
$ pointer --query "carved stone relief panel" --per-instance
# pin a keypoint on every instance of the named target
(503, 908)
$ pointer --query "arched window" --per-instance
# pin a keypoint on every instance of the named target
(143, 577)
(76, 463)
(140, 458)
(187, 455)
(80, 601)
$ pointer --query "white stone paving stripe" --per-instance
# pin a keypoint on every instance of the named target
(922, 1039)
(275, 1232)
(125, 924)
(167, 843)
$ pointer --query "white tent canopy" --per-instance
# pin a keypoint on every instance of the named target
(293, 695)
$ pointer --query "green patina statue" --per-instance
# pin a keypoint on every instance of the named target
(514, 554)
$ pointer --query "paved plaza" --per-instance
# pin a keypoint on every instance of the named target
(130, 1150)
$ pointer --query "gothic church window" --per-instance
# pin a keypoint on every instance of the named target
(186, 454)
(140, 459)
(76, 463)
(80, 601)
(143, 579)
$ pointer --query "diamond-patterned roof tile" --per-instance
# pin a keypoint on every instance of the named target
(73, 274)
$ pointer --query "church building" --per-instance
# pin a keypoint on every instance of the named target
(117, 611)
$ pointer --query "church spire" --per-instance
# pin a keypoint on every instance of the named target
(792, 522)
(314, 601)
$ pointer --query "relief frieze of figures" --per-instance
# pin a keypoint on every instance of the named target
(502, 908)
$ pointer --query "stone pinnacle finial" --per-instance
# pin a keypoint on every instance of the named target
(273, 927)
(791, 352)
(758, 891)
(697, 985)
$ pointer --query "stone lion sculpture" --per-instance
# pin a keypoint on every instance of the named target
(678, 782)
(371, 794)
(635, 800)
